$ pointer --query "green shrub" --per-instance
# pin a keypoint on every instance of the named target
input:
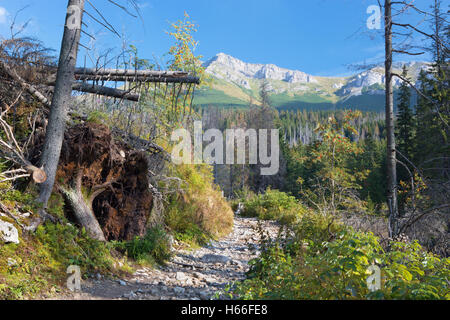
(193, 235)
(153, 247)
(274, 205)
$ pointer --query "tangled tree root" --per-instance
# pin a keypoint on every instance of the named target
(105, 183)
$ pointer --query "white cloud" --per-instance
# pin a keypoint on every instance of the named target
(3, 14)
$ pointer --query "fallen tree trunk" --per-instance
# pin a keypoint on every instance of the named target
(129, 72)
(105, 91)
(132, 78)
(127, 75)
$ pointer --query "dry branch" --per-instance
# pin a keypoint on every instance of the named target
(140, 144)
(105, 91)
(29, 88)
(13, 152)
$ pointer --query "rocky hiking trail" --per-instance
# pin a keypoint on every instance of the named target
(191, 274)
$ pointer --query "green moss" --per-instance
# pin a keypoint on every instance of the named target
(55, 205)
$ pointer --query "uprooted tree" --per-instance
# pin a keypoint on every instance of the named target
(102, 174)
(104, 182)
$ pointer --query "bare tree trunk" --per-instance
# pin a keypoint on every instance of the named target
(84, 214)
(82, 208)
(61, 97)
(231, 181)
(437, 34)
(391, 156)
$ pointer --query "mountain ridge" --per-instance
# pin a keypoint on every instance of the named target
(236, 82)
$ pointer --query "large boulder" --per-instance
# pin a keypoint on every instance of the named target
(8, 233)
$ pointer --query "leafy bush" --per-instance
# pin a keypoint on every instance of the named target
(274, 205)
(329, 261)
(154, 246)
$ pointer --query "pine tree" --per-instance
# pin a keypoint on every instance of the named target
(433, 116)
(424, 120)
(405, 119)
(264, 93)
(404, 135)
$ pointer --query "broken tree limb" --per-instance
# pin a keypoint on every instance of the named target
(13, 152)
(38, 174)
(27, 170)
(105, 91)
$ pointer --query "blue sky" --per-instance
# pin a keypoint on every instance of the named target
(320, 37)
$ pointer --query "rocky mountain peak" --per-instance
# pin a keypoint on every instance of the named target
(232, 69)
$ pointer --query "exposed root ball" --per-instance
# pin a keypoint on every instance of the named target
(114, 187)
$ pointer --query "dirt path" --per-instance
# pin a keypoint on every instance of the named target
(193, 275)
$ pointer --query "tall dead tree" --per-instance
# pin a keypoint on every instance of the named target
(408, 32)
(61, 97)
(390, 132)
